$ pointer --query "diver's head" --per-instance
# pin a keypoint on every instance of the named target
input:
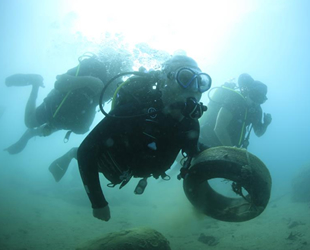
(244, 82)
(184, 81)
(258, 92)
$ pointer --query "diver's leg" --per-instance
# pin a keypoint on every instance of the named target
(74, 152)
(17, 147)
(30, 110)
(23, 80)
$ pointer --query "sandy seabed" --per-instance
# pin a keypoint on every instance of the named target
(50, 216)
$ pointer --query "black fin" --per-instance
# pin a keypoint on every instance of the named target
(59, 167)
(22, 142)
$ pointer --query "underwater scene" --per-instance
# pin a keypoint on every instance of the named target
(154, 125)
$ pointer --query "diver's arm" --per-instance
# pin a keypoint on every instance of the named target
(191, 146)
(66, 82)
(190, 139)
(223, 119)
(90, 177)
(259, 127)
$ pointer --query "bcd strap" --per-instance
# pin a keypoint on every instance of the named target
(165, 177)
(125, 177)
(185, 168)
(67, 136)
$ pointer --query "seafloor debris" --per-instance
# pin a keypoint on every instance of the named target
(295, 224)
(208, 240)
(294, 236)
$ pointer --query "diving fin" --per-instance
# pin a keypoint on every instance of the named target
(59, 167)
(24, 80)
(22, 142)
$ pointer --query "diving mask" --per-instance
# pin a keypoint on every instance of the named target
(187, 78)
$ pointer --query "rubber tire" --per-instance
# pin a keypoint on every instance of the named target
(237, 165)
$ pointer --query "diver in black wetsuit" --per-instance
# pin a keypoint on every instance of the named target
(71, 105)
(153, 117)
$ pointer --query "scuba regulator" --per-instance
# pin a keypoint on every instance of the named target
(193, 109)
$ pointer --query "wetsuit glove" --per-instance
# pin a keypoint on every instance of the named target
(267, 119)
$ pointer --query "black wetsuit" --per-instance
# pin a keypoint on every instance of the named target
(78, 109)
(143, 146)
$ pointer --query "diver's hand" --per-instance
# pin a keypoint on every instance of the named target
(267, 119)
(102, 213)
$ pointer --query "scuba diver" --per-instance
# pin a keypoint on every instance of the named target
(233, 113)
(71, 105)
(154, 115)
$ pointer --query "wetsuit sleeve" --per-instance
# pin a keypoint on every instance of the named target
(88, 157)
(90, 67)
(259, 127)
(90, 73)
(190, 137)
(191, 146)
(67, 83)
(90, 177)
(92, 148)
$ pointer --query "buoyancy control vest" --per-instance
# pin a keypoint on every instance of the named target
(232, 100)
(75, 110)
